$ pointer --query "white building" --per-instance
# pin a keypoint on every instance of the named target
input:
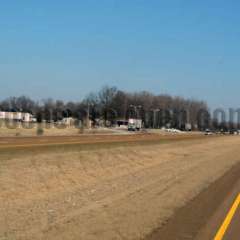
(68, 121)
(2, 115)
(16, 116)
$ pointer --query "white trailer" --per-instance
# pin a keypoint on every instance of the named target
(134, 124)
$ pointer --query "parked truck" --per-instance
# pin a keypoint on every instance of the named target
(134, 124)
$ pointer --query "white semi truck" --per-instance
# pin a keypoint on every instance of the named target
(134, 124)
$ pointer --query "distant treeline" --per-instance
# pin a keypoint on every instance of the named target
(111, 104)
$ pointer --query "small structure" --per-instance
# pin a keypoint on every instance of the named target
(16, 116)
(69, 121)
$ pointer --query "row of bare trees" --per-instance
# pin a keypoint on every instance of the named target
(111, 104)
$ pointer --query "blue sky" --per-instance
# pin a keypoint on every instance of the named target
(65, 49)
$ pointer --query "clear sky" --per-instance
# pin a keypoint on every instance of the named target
(65, 49)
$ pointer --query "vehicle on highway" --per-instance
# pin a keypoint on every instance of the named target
(234, 132)
(208, 132)
(134, 124)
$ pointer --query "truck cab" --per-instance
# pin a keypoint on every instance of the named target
(134, 124)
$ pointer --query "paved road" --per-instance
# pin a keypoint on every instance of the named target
(224, 224)
(204, 217)
(233, 231)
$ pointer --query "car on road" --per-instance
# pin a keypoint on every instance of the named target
(208, 132)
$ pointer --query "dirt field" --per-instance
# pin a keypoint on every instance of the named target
(104, 187)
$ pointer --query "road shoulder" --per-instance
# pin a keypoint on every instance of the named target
(202, 217)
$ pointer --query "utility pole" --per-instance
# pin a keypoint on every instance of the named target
(88, 114)
(155, 111)
(136, 110)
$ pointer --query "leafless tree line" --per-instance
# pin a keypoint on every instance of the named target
(111, 104)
